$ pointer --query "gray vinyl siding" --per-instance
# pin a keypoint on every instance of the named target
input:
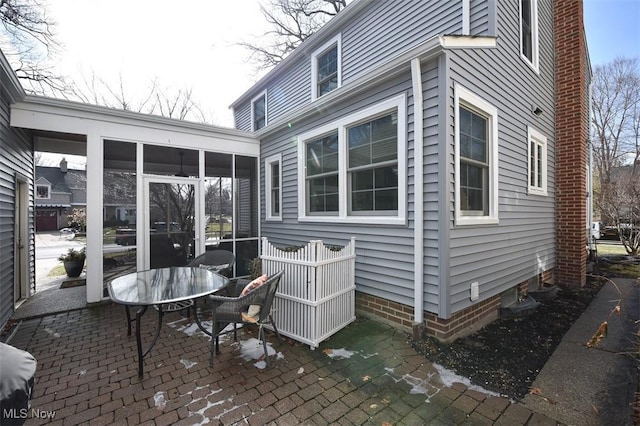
(384, 262)
(392, 27)
(290, 91)
(16, 157)
(479, 20)
(497, 256)
(522, 245)
(431, 131)
(242, 117)
(378, 33)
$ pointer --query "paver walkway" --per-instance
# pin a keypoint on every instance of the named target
(365, 374)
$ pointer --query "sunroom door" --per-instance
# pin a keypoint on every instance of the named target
(171, 228)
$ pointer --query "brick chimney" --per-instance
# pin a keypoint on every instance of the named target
(63, 165)
(572, 74)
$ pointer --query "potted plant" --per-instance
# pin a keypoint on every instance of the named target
(73, 261)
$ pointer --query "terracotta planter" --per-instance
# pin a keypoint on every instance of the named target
(73, 268)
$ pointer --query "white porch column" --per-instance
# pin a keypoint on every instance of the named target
(95, 201)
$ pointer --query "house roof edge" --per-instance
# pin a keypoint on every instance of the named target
(40, 102)
(315, 39)
(10, 80)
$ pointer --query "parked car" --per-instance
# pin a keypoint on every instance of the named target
(125, 236)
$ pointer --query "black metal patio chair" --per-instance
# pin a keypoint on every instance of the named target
(220, 261)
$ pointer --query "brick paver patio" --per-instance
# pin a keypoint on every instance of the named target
(365, 374)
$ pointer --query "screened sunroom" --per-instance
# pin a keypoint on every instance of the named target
(159, 192)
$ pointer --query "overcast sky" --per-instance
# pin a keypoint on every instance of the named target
(193, 43)
(184, 44)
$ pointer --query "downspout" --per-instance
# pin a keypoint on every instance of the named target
(418, 192)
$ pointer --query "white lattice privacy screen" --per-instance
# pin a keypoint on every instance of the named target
(316, 297)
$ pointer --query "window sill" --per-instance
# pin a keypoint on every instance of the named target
(479, 220)
(534, 191)
(361, 220)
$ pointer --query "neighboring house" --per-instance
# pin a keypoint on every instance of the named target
(448, 137)
(58, 191)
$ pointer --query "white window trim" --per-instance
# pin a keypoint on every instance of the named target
(535, 61)
(337, 40)
(541, 140)
(398, 103)
(48, 197)
(266, 111)
(465, 97)
(274, 159)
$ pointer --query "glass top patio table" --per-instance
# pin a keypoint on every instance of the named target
(164, 285)
(166, 289)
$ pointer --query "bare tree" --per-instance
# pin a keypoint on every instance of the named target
(180, 104)
(615, 97)
(28, 41)
(616, 147)
(293, 21)
(620, 202)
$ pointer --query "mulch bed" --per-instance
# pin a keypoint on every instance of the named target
(507, 355)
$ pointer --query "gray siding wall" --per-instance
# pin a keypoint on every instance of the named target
(381, 31)
(242, 117)
(522, 245)
(497, 256)
(384, 264)
(480, 19)
(431, 75)
(16, 156)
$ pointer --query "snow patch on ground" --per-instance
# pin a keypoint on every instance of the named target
(448, 378)
(341, 353)
(188, 363)
(252, 349)
(160, 399)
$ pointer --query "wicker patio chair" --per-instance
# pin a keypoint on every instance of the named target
(233, 310)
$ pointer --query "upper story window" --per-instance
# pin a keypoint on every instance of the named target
(354, 169)
(476, 164)
(326, 74)
(537, 162)
(43, 191)
(259, 111)
(273, 190)
(529, 32)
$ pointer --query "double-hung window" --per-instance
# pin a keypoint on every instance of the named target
(354, 169)
(273, 181)
(529, 32)
(537, 162)
(322, 175)
(259, 111)
(373, 166)
(326, 68)
(476, 159)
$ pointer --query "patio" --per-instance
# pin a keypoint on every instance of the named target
(366, 373)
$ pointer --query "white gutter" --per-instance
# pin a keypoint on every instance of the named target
(418, 194)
